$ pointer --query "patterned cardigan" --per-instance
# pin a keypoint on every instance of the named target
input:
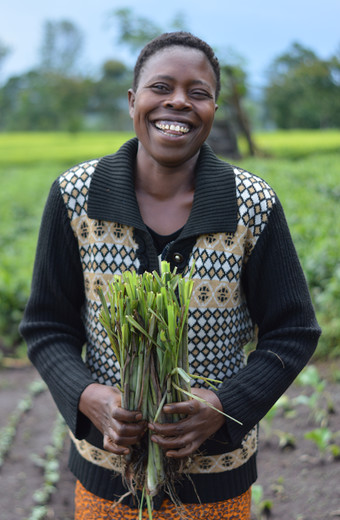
(247, 276)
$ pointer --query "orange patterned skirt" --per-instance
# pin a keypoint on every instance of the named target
(91, 507)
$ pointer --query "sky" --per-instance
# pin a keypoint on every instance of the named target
(256, 31)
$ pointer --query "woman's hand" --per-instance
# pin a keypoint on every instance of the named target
(184, 437)
(120, 428)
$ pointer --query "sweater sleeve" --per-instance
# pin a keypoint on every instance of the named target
(52, 326)
(279, 303)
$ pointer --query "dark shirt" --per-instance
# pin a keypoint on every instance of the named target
(161, 241)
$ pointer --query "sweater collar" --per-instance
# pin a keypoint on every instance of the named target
(112, 195)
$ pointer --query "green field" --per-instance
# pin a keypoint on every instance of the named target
(302, 167)
(295, 144)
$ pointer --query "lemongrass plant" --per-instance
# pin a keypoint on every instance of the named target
(146, 319)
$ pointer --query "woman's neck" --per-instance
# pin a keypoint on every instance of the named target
(165, 195)
(164, 182)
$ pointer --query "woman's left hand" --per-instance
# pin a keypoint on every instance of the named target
(184, 437)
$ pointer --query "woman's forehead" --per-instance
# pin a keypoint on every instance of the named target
(175, 59)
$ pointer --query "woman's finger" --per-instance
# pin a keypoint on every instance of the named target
(128, 431)
(126, 416)
(117, 449)
(188, 407)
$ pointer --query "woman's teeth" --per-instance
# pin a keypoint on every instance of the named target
(172, 127)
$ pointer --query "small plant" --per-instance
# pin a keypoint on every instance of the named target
(50, 466)
(262, 507)
(322, 438)
(316, 400)
(286, 440)
(39, 513)
(7, 433)
(278, 487)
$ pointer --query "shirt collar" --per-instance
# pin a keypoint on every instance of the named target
(112, 196)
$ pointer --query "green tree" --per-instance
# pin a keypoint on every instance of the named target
(54, 96)
(4, 51)
(234, 92)
(303, 90)
(61, 47)
(40, 101)
(23, 106)
(108, 104)
(135, 31)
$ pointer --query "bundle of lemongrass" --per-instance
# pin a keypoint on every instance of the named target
(145, 317)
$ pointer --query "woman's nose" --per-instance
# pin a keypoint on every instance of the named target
(178, 100)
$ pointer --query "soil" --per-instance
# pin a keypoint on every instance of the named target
(297, 482)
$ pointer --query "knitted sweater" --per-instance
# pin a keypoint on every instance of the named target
(247, 275)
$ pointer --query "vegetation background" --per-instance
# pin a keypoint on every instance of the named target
(53, 117)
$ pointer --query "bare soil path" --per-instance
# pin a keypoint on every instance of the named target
(299, 483)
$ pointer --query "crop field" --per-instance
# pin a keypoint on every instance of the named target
(302, 167)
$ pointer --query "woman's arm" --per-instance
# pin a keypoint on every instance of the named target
(55, 335)
(52, 325)
(280, 305)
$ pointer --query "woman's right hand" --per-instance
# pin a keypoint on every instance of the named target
(120, 428)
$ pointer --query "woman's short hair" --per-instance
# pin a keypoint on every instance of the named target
(180, 38)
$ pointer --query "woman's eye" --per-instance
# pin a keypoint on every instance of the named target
(201, 94)
(160, 87)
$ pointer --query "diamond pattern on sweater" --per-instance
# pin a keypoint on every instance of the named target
(100, 358)
(74, 185)
(107, 258)
(214, 337)
(255, 198)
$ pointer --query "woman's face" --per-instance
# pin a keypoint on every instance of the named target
(174, 105)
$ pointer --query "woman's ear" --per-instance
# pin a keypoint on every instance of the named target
(131, 99)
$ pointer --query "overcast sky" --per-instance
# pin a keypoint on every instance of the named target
(258, 31)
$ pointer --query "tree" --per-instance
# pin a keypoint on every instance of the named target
(4, 51)
(231, 101)
(108, 103)
(135, 31)
(54, 96)
(24, 105)
(61, 47)
(303, 90)
(39, 101)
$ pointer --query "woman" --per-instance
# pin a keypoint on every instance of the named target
(166, 195)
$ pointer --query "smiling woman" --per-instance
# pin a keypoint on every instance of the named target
(165, 196)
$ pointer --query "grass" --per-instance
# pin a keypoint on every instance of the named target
(302, 166)
(295, 144)
(60, 148)
(27, 148)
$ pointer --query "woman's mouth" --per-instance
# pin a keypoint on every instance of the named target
(172, 127)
